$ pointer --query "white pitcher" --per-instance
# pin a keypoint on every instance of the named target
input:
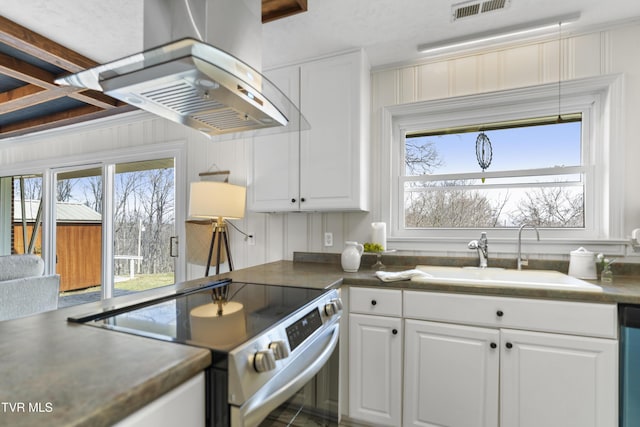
(351, 256)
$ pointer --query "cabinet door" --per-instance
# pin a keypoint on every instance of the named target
(451, 375)
(332, 160)
(274, 184)
(375, 369)
(183, 406)
(555, 380)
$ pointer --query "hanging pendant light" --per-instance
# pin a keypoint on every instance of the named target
(484, 152)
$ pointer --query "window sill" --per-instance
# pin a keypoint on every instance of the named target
(553, 248)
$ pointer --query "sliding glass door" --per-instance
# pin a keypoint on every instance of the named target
(78, 228)
(106, 226)
(144, 224)
(21, 214)
(115, 227)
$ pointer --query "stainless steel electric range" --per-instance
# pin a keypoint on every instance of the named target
(267, 343)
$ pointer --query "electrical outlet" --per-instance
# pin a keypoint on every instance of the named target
(328, 239)
(251, 240)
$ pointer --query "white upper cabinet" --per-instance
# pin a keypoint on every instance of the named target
(274, 181)
(324, 168)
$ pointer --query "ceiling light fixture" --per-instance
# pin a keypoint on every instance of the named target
(479, 39)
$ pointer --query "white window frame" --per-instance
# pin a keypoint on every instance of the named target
(598, 99)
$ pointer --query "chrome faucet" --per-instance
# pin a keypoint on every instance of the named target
(521, 261)
(482, 246)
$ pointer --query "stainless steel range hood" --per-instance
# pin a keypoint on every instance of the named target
(193, 82)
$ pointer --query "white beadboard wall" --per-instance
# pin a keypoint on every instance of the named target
(610, 51)
(277, 236)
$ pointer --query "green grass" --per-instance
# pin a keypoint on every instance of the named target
(140, 282)
(146, 281)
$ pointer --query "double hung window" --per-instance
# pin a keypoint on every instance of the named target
(496, 175)
(546, 162)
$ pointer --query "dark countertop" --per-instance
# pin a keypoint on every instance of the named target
(85, 376)
(317, 274)
(94, 377)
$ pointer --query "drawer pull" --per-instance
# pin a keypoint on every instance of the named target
(293, 200)
(493, 345)
(509, 345)
(374, 302)
(394, 332)
(499, 313)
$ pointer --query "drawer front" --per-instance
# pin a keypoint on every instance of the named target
(576, 318)
(383, 302)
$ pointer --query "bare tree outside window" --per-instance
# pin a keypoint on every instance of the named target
(551, 207)
(32, 187)
(144, 217)
(421, 157)
(520, 188)
(64, 190)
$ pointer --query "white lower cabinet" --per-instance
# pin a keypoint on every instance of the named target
(460, 375)
(557, 380)
(375, 356)
(464, 376)
(183, 406)
(481, 362)
(451, 375)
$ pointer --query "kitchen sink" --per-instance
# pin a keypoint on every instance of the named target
(540, 279)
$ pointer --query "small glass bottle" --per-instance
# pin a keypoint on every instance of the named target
(607, 274)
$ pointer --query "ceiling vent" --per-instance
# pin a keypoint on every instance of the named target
(476, 8)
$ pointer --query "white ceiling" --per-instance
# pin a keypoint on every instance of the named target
(389, 30)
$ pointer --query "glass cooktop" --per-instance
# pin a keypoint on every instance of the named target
(194, 317)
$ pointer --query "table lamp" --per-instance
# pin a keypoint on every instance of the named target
(219, 201)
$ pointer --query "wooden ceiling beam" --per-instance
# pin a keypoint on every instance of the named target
(95, 98)
(17, 93)
(62, 118)
(55, 117)
(276, 9)
(36, 76)
(25, 97)
(40, 47)
(30, 95)
(20, 70)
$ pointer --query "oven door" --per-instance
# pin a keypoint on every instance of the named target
(300, 392)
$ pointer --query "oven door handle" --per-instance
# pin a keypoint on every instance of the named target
(282, 387)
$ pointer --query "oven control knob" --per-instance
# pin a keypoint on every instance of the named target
(280, 350)
(264, 361)
(333, 307)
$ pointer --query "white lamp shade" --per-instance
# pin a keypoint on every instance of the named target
(210, 199)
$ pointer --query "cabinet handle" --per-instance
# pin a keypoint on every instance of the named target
(493, 345)
(373, 302)
(302, 199)
(509, 345)
(293, 200)
(394, 332)
(499, 313)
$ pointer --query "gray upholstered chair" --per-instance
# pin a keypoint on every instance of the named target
(23, 288)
